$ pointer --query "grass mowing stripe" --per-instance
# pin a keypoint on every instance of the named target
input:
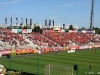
(87, 56)
(27, 62)
(75, 54)
(52, 58)
(82, 58)
(72, 59)
(67, 62)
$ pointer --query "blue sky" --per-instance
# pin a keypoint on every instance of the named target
(75, 12)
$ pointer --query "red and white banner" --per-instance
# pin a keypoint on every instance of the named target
(96, 46)
(14, 30)
(73, 31)
(29, 30)
(83, 47)
(59, 31)
(73, 47)
(20, 51)
(5, 52)
(24, 31)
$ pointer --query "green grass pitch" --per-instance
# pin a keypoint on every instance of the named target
(83, 58)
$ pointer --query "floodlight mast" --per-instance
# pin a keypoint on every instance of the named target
(92, 16)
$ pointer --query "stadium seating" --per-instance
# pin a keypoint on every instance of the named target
(48, 41)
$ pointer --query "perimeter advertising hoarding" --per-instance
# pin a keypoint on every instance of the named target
(14, 30)
(88, 31)
(73, 31)
(5, 52)
(24, 31)
(19, 30)
(83, 47)
(29, 30)
(84, 31)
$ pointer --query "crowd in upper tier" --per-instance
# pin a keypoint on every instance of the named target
(48, 39)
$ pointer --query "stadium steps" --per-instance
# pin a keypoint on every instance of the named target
(30, 42)
(4, 45)
(1, 45)
(1, 48)
(18, 43)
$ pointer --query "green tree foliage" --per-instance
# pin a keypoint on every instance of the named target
(20, 27)
(71, 27)
(83, 28)
(32, 30)
(8, 27)
(97, 30)
(25, 27)
(0, 27)
(66, 30)
(37, 29)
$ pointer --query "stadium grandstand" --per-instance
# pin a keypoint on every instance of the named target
(49, 40)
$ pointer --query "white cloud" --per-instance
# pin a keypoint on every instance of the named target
(56, 8)
(58, 17)
(52, 17)
(11, 2)
(79, 5)
(83, 4)
(87, 4)
(63, 17)
(68, 4)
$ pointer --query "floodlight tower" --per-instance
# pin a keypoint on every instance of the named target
(92, 15)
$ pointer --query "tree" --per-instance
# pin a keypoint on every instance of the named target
(20, 27)
(71, 27)
(32, 30)
(83, 28)
(37, 29)
(0, 27)
(25, 27)
(97, 30)
(8, 27)
(66, 30)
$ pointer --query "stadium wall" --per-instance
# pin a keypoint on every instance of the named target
(46, 50)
